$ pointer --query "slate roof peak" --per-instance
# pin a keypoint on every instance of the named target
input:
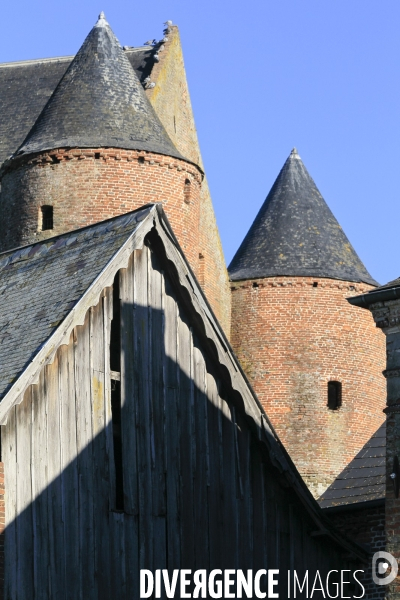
(295, 234)
(99, 103)
(102, 21)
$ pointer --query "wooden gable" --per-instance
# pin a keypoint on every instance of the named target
(142, 446)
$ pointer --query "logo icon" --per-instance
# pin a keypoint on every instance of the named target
(381, 561)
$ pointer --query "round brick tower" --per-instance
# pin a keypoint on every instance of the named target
(97, 150)
(315, 361)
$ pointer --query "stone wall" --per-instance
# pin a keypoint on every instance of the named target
(292, 336)
(171, 101)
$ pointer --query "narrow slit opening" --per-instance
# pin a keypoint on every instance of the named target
(46, 217)
(334, 395)
(186, 191)
(115, 368)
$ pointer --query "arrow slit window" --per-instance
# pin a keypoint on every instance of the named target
(334, 395)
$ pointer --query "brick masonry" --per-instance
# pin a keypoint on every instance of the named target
(366, 527)
(293, 335)
(87, 186)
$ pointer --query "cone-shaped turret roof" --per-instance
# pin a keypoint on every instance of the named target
(99, 102)
(296, 234)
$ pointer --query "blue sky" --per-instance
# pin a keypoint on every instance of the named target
(264, 76)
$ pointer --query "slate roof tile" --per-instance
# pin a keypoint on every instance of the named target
(39, 285)
(364, 477)
(296, 234)
(99, 102)
(26, 86)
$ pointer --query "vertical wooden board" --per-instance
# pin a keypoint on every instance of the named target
(230, 540)
(108, 428)
(215, 490)
(185, 407)
(88, 588)
(130, 569)
(172, 432)
(156, 293)
(9, 450)
(142, 347)
(243, 437)
(69, 469)
(128, 400)
(40, 491)
(129, 442)
(55, 523)
(201, 474)
(120, 528)
(101, 481)
(23, 425)
(259, 514)
(270, 495)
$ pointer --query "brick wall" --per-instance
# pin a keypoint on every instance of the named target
(367, 527)
(292, 336)
(87, 186)
(171, 101)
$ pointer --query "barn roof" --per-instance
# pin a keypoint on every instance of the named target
(364, 478)
(99, 102)
(47, 289)
(26, 86)
(40, 284)
(296, 234)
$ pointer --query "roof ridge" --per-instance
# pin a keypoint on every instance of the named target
(32, 61)
(56, 242)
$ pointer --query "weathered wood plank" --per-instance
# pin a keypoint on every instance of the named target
(101, 483)
(201, 473)
(157, 418)
(69, 469)
(9, 450)
(142, 398)
(23, 425)
(129, 439)
(40, 492)
(215, 490)
(128, 400)
(56, 529)
(186, 400)
(230, 554)
(172, 432)
(84, 436)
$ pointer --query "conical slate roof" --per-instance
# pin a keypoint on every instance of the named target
(296, 234)
(99, 102)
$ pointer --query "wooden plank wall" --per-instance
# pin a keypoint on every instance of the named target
(198, 489)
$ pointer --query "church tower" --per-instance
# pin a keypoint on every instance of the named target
(315, 362)
(97, 150)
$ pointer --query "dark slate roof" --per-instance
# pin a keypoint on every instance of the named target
(26, 86)
(296, 234)
(39, 285)
(363, 479)
(99, 102)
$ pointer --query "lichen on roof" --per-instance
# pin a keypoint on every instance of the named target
(99, 102)
(296, 234)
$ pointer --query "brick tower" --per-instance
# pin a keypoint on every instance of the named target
(314, 360)
(98, 149)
